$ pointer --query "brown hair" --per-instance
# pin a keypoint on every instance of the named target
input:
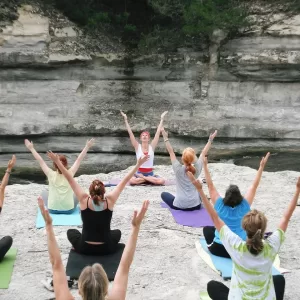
(93, 283)
(255, 224)
(63, 160)
(188, 157)
(233, 196)
(97, 191)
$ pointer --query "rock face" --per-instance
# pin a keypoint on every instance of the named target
(55, 80)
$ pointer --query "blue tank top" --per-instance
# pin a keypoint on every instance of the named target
(232, 217)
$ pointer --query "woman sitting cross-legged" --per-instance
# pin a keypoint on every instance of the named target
(96, 212)
(187, 198)
(231, 209)
(93, 281)
(252, 259)
(60, 199)
(5, 242)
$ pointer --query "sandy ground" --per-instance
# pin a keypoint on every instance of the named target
(166, 264)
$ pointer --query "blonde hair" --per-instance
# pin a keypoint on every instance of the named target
(255, 224)
(188, 157)
(93, 283)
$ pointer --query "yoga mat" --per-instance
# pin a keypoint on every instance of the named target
(110, 263)
(204, 296)
(116, 181)
(73, 219)
(196, 218)
(6, 268)
(221, 265)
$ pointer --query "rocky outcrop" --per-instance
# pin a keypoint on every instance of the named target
(56, 80)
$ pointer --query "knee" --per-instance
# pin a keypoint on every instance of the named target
(8, 241)
(211, 285)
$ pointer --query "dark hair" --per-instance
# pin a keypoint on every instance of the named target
(255, 224)
(233, 196)
(63, 160)
(97, 191)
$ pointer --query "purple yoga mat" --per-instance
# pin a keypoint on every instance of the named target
(196, 218)
(116, 181)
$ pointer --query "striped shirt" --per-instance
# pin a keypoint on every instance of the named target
(252, 274)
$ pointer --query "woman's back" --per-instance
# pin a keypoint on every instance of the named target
(186, 194)
(60, 192)
(252, 274)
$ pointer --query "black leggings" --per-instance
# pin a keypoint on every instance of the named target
(169, 199)
(80, 246)
(5, 244)
(219, 291)
(214, 248)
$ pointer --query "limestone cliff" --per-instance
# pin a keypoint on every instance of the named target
(56, 80)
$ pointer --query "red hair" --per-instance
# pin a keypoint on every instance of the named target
(63, 160)
(97, 191)
(145, 132)
(188, 157)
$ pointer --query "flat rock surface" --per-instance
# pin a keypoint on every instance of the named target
(166, 263)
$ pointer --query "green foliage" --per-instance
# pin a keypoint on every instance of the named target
(130, 28)
(98, 18)
(122, 18)
(202, 17)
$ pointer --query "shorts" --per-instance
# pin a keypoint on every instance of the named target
(146, 174)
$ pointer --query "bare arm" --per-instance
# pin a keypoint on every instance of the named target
(168, 145)
(115, 193)
(60, 282)
(77, 189)
(5, 178)
(252, 190)
(213, 193)
(119, 288)
(211, 211)
(43, 165)
(134, 143)
(208, 144)
(159, 128)
(289, 211)
(81, 156)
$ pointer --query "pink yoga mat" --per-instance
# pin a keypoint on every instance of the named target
(196, 218)
(116, 181)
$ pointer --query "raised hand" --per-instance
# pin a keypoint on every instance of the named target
(195, 182)
(213, 135)
(163, 114)
(11, 163)
(44, 211)
(139, 216)
(90, 143)
(298, 184)
(124, 115)
(264, 160)
(28, 144)
(53, 156)
(143, 159)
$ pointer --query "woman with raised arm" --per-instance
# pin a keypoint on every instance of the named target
(231, 209)
(60, 199)
(96, 212)
(187, 198)
(93, 282)
(5, 242)
(145, 173)
(253, 258)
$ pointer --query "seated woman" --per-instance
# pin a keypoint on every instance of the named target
(252, 259)
(93, 282)
(60, 199)
(145, 172)
(187, 198)
(5, 242)
(96, 212)
(231, 209)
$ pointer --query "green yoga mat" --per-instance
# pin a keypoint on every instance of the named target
(204, 296)
(6, 268)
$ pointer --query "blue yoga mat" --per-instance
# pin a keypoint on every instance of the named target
(224, 265)
(73, 219)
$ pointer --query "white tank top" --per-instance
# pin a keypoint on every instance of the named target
(149, 163)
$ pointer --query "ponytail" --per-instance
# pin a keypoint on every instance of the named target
(255, 244)
(97, 191)
(190, 168)
(188, 157)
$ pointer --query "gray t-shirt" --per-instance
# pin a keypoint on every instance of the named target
(186, 194)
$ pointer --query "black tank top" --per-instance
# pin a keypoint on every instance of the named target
(96, 224)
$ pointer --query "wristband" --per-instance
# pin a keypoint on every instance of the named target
(210, 140)
(166, 140)
(8, 172)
